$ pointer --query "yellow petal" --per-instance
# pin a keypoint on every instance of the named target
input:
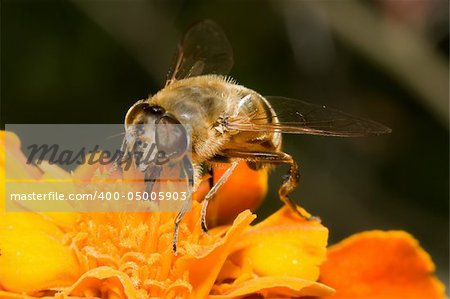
(61, 219)
(10, 149)
(284, 244)
(33, 256)
(16, 166)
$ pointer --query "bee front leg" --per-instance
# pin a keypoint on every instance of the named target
(213, 191)
(151, 175)
(189, 173)
(291, 181)
(180, 216)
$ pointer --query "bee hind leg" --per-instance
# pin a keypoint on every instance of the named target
(289, 183)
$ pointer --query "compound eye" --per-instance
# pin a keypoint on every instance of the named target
(157, 110)
(171, 137)
(143, 113)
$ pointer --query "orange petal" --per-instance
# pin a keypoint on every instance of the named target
(378, 264)
(244, 189)
(275, 287)
(204, 265)
(283, 244)
(103, 282)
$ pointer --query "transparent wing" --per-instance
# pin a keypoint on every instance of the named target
(204, 49)
(299, 117)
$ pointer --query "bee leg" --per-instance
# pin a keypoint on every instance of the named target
(177, 224)
(152, 173)
(123, 158)
(289, 183)
(211, 178)
(189, 173)
(188, 170)
(213, 191)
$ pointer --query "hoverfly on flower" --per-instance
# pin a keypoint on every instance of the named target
(231, 122)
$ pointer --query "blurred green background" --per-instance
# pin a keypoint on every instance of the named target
(88, 61)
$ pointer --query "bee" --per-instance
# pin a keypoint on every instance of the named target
(231, 122)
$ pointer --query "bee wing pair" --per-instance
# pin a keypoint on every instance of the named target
(205, 49)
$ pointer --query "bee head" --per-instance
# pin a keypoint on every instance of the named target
(151, 124)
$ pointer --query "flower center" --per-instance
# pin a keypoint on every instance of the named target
(137, 244)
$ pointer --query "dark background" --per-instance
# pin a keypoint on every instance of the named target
(89, 61)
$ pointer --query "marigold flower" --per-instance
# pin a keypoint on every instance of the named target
(129, 255)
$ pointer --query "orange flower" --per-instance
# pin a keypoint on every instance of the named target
(129, 255)
(381, 265)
